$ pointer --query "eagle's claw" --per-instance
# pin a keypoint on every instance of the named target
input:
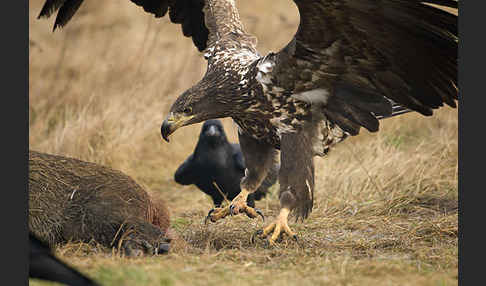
(209, 216)
(255, 234)
(276, 229)
(261, 214)
(220, 213)
(253, 213)
(232, 209)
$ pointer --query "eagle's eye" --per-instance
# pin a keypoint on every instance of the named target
(187, 110)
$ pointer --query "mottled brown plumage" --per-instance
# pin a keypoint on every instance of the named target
(351, 63)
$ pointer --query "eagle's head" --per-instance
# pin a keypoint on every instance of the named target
(202, 102)
(219, 94)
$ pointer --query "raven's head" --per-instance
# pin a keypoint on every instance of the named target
(212, 132)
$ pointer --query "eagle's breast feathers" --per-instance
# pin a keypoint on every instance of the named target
(267, 110)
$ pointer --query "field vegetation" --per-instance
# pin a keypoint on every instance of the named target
(385, 210)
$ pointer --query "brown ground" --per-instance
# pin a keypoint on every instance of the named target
(386, 204)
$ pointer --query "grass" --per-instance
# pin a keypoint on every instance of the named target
(385, 210)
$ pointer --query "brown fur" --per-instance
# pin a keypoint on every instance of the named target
(73, 200)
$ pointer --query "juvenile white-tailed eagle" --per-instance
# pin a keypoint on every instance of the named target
(350, 63)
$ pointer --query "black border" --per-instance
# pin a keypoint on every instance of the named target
(15, 141)
(472, 65)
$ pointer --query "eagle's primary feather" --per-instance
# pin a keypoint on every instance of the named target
(350, 63)
(188, 13)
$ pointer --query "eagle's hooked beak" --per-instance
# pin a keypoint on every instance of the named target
(172, 123)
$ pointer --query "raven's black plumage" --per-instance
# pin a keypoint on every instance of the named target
(215, 160)
(44, 265)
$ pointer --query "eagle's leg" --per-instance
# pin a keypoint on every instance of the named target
(279, 225)
(296, 178)
(288, 202)
(260, 157)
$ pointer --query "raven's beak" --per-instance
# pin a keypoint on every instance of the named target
(211, 131)
(172, 123)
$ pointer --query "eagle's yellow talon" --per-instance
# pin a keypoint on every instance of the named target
(268, 229)
(279, 225)
(238, 205)
(216, 214)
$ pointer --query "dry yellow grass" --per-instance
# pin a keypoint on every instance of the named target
(386, 203)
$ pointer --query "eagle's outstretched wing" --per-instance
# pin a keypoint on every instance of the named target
(205, 21)
(354, 56)
(188, 13)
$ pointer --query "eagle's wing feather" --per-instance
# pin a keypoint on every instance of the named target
(188, 13)
(363, 56)
(156, 7)
(67, 8)
(49, 7)
(205, 21)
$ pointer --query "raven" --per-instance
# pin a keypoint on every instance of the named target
(217, 163)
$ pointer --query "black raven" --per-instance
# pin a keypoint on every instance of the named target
(216, 161)
(44, 265)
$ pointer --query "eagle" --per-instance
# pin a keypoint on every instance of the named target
(217, 166)
(349, 64)
(44, 265)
